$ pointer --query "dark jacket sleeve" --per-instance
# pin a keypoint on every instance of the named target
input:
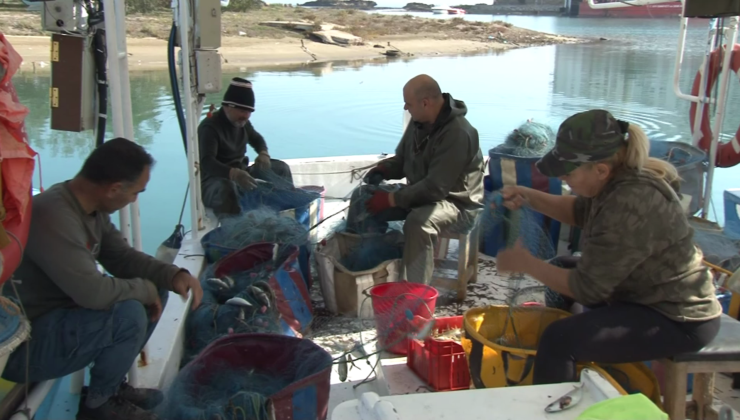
(208, 148)
(122, 260)
(59, 248)
(255, 139)
(452, 154)
(394, 165)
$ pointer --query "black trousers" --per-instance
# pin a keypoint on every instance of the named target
(221, 195)
(615, 333)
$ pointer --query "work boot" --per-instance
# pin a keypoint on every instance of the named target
(116, 408)
(144, 398)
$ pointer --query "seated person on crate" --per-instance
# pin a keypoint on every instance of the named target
(80, 316)
(223, 139)
(440, 158)
(648, 293)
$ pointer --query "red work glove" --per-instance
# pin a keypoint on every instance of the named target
(378, 202)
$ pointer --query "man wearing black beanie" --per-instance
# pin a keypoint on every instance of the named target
(223, 139)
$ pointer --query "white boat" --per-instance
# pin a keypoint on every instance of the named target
(446, 10)
(394, 387)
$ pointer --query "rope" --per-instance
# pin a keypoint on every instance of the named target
(717, 268)
(9, 307)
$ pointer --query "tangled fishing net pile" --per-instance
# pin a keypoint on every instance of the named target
(261, 225)
(245, 378)
(240, 303)
(531, 139)
(245, 299)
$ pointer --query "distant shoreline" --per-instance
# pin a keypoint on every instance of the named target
(269, 37)
(146, 54)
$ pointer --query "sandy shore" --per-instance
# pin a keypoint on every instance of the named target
(241, 53)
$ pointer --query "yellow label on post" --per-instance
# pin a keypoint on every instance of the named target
(54, 97)
(55, 51)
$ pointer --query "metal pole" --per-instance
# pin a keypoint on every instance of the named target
(185, 27)
(128, 114)
(720, 116)
(114, 71)
(199, 203)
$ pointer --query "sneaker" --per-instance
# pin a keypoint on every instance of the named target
(145, 398)
(116, 408)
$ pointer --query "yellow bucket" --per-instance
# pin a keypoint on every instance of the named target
(494, 365)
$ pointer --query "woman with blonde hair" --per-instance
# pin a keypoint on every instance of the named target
(648, 293)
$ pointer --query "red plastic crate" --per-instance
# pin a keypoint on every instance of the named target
(440, 363)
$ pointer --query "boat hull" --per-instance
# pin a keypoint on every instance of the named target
(664, 10)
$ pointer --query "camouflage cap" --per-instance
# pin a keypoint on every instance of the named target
(588, 136)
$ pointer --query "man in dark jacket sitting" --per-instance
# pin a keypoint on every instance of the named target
(440, 158)
(223, 140)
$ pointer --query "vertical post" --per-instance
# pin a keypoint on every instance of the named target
(112, 42)
(185, 52)
(123, 122)
(720, 116)
(127, 111)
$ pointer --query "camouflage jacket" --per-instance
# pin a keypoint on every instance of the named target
(638, 247)
(440, 161)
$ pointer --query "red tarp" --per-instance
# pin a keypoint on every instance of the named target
(16, 161)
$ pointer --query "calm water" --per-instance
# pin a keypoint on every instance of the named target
(356, 108)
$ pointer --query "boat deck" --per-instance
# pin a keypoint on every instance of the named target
(337, 334)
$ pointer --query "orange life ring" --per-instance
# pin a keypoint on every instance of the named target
(728, 154)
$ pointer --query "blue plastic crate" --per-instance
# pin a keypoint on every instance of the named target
(732, 221)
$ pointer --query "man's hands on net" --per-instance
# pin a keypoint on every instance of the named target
(183, 283)
(263, 161)
(242, 178)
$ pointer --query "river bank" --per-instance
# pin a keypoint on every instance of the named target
(248, 44)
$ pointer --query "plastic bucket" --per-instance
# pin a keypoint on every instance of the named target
(394, 304)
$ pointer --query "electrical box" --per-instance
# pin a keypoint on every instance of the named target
(63, 16)
(72, 94)
(208, 24)
(208, 71)
(712, 8)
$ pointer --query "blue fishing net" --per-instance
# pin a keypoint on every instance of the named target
(361, 221)
(276, 193)
(261, 225)
(530, 139)
(245, 376)
(369, 251)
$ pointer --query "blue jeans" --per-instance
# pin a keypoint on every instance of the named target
(64, 341)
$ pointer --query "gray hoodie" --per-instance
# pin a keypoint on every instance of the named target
(440, 161)
(59, 263)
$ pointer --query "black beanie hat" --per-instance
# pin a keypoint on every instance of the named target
(239, 94)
